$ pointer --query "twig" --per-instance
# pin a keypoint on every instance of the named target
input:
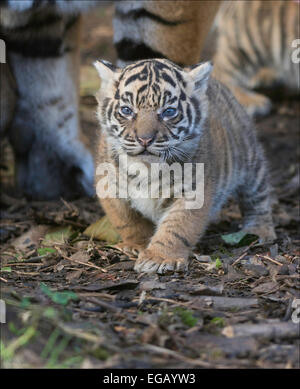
(244, 253)
(176, 355)
(278, 330)
(3, 279)
(223, 303)
(23, 264)
(269, 259)
(26, 273)
(97, 294)
(163, 299)
(88, 264)
(104, 305)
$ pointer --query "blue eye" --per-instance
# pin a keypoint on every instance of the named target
(169, 112)
(126, 111)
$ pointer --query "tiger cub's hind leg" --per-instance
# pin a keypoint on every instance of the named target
(255, 204)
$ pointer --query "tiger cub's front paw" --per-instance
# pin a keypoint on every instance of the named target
(150, 261)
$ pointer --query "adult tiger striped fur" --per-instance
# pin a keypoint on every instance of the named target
(254, 50)
(153, 111)
(41, 113)
(175, 30)
(41, 78)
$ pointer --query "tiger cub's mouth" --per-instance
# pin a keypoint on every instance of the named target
(145, 152)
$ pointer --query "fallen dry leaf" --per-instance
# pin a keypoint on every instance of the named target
(103, 230)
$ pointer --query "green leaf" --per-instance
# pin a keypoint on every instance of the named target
(103, 230)
(57, 235)
(218, 263)
(45, 250)
(50, 313)
(7, 269)
(58, 297)
(240, 238)
(25, 302)
(186, 316)
(218, 321)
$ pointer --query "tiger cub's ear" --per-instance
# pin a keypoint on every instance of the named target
(199, 75)
(107, 72)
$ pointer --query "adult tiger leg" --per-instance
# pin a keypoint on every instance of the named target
(162, 29)
(8, 97)
(52, 159)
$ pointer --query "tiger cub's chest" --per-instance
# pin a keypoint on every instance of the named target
(141, 187)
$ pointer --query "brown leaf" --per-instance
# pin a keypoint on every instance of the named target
(31, 238)
(266, 287)
(103, 230)
(81, 256)
(74, 275)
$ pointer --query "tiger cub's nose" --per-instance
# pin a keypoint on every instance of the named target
(145, 141)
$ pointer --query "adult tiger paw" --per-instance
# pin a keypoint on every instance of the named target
(152, 262)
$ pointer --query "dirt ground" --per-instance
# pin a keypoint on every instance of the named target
(73, 301)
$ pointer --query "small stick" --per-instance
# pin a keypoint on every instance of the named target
(97, 294)
(26, 273)
(163, 299)
(244, 253)
(88, 264)
(269, 259)
(3, 279)
(278, 330)
(103, 304)
(176, 355)
(23, 264)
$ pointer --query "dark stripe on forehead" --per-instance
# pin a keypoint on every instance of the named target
(155, 88)
(168, 79)
(172, 100)
(139, 92)
(141, 76)
(127, 97)
(137, 64)
(162, 65)
(179, 77)
(167, 94)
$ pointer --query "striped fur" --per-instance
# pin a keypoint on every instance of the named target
(162, 29)
(40, 101)
(254, 50)
(42, 39)
(209, 127)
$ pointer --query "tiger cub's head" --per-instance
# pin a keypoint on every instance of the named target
(153, 107)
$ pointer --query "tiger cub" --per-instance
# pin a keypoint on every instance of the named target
(257, 51)
(155, 114)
